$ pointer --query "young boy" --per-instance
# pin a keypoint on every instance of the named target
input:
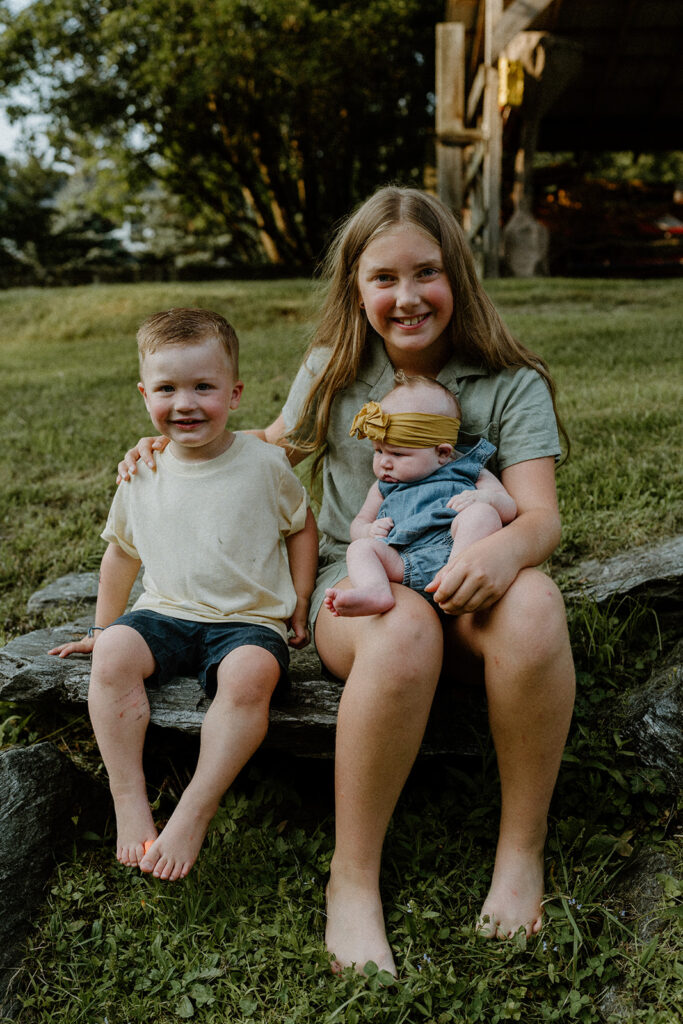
(430, 502)
(229, 550)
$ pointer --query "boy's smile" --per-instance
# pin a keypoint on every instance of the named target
(189, 390)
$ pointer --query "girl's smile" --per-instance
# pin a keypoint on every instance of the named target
(407, 297)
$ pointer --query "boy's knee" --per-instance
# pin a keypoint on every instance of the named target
(248, 693)
(249, 685)
(121, 652)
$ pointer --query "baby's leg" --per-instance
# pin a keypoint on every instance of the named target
(233, 728)
(371, 564)
(119, 712)
(474, 523)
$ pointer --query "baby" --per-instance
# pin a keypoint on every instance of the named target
(430, 502)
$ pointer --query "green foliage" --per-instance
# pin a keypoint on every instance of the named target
(241, 938)
(70, 354)
(41, 242)
(272, 117)
(611, 348)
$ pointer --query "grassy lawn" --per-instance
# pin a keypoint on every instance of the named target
(239, 940)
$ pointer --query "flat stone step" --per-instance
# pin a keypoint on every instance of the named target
(302, 722)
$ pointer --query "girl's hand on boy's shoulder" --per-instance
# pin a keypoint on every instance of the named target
(84, 646)
(144, 450)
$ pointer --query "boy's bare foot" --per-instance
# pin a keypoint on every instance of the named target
(358, 602)
(355, 929)
(514, 900)
(134, 828)
(172, 855)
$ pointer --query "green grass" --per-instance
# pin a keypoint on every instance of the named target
(240, 939)
(70, 408)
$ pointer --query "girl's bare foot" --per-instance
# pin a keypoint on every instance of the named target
(355, 928)
(515, 898)
(171, 856)
(134, 827)
(358, 602)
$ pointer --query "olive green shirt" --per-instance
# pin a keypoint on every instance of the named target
(512, 409)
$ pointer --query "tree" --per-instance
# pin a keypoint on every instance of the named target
(272, 116)
(44, 238)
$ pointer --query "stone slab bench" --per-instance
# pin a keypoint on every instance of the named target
(303, 722)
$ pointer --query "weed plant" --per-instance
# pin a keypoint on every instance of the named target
(240, 940)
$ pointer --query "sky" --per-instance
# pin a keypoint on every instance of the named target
(9, 133)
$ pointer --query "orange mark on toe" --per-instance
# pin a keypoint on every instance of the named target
(147, 844)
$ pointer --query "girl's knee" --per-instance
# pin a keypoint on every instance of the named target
(534, 614)
(406, 642)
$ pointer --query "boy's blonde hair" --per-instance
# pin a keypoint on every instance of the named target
(476, 331)
(183, 326)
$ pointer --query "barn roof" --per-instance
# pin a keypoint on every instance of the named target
(629, 93)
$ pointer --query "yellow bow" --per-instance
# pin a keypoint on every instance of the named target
(370, 422)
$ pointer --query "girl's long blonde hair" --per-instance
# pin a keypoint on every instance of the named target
(477, 332)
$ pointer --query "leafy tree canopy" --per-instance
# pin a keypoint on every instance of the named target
(272, 117)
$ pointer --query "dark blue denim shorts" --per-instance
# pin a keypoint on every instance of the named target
(184, 648)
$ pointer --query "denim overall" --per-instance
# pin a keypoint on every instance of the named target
(422, 523)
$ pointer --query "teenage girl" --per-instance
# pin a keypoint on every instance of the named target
(404, 295)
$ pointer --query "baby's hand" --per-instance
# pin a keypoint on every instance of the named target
(380, 527)
(84, 646)
(460, 501)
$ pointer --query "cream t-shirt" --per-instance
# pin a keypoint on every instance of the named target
(210, 534)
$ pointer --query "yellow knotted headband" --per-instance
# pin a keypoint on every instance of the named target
(404, 429)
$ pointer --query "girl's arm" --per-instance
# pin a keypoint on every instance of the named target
(482, 573)
(366, 523)
(117, 576)
(488, 489)
(274, 435)
(302, 552)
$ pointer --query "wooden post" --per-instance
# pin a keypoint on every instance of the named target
(493, 130)
(450, 111)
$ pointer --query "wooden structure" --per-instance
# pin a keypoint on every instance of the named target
(587, 74)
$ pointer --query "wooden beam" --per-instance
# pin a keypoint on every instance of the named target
(478, 37)
(450, 111)
(475, 93)
(493, 127)
(516, 18)
(450, 77)
(461, 137)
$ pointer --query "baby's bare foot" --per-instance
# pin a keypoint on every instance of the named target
(171, 856)
(134, 828)
(358, 602)
(515, 898)
(355, 930)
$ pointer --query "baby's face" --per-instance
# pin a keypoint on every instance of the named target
(402, 465)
